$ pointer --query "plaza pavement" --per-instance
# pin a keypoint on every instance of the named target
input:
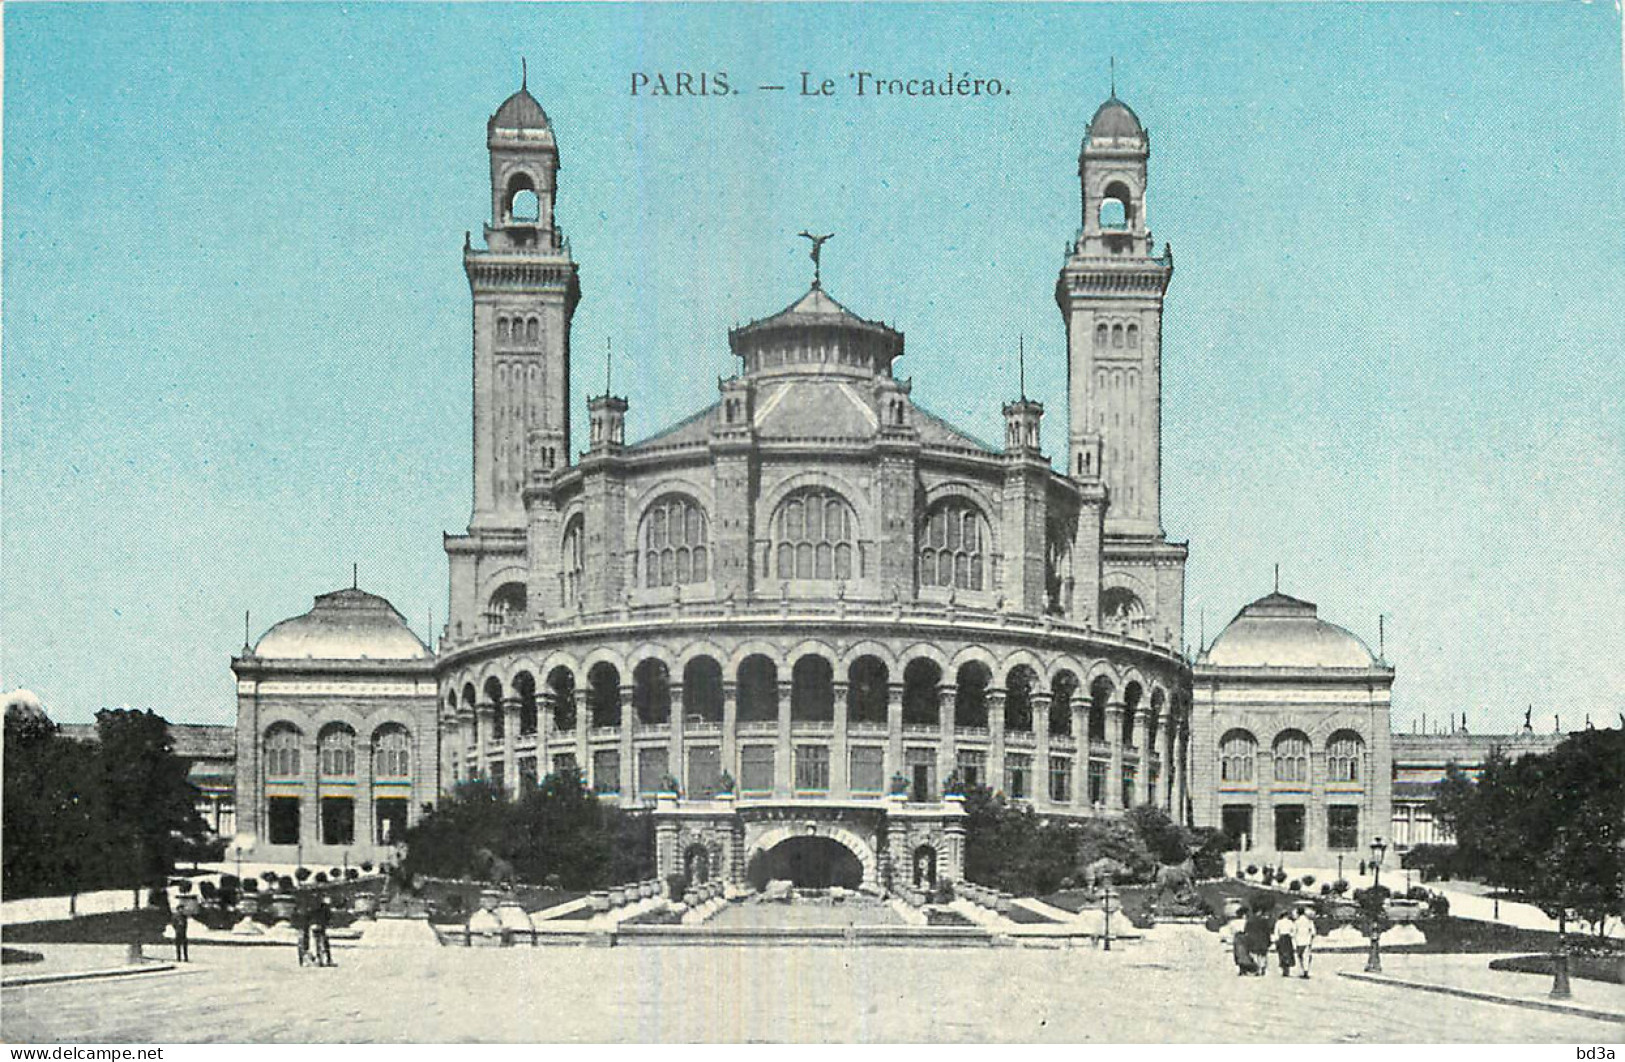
(1177, 986)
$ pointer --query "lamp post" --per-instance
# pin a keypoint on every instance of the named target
(1377, 851)
(1107, 897)
(1375, 908)
(1340, 866)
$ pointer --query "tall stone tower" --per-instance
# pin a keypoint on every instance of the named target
(525, 291)
(1110, 293)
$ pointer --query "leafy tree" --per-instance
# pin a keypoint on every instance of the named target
(1166, 841)
(149, 805)
(51, 835)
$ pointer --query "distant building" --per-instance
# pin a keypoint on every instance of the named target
(212, 751)
(1420, 763)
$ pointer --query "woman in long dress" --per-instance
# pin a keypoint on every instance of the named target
(1239, 947)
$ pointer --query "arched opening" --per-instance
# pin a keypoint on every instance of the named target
(1132, 694)
(702, 690)
(524, 686)
(1237, 751)
(921, 680)
(571, 554)
(523, 203)
(758, 690)
(1116, 206)
(604, 695)
(866, 690)
(1153, 720)
(507, 607)
(924, 866)
(392, 782)
(674, 542)
(812, 862)
(471, 706)
(651, 692)
(335, 748)
(1291, 756)
(1343, 751)
(970, 694)
(953, 541)
(493, 698)
(1018, 698)
(1121, 611)
(561, 685)
(815, 537)
(1062, 689)
(812, 690)
(1100, 692)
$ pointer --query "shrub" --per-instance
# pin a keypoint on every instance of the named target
(302, 874)
(335, 874)
(207, 890)
(1340, 886)
(183, 887)
(367, 867)
(1438, 905)
(321, 878)
(1308, 880)
(1209, 846)
(270, 877)
(1252, 868)
(1418, 893)
(1294, 885)
(284, 884)
(251, 885)
(352, 874)
(1325, 888)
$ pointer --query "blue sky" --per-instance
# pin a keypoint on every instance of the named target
(235, 323)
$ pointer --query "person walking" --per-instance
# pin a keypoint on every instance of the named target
(1303, 939)
(1235, 931)
(320, 919)
(301, 926)
(1284, 947)
(1257, 935)
(177, 921)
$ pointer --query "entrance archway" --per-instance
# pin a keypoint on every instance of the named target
(809, 862)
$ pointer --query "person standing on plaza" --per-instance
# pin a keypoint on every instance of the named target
(1303, 939)
(1257, 936)
(321, 918)
(1235, 933)
(177, 921)
(1284, 947)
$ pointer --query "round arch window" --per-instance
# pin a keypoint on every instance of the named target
(815, 536)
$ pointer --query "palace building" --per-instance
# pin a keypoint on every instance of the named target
(789, 622)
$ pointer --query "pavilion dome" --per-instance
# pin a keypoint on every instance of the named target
(816, 331)
(1115, 120)
(1282, 631)
(346, 624)
(521, 111)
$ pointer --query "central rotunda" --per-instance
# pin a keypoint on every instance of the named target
(800, 616)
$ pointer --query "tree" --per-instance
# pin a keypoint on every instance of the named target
(1167, 842)
(149, 804)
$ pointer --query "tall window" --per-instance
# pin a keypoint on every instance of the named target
(972, 766)
(1292, 757)
(391, 752)
(570, 561)
(282, 752)
(674, 540)
(953, 545)
(1236, 753)
(812, 767)
(1018, 776)
(651, 770)
(1097, 781)
(1129, 774)
(336, 751)
(1060, 779)
(756, 768)
(816, 535)
(606, 771)
(1343, 757)
(868, 772)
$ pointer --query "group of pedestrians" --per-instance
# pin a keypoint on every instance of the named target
(1251, 936)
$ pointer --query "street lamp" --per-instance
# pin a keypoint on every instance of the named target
(1107, 897)
(1377, 850)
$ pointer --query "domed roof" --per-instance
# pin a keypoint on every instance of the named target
(1281, 631)
(817, 329)
(344, 625)
(1114, 120)
(521, 111)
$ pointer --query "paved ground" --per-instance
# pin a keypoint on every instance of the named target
(1179, 989)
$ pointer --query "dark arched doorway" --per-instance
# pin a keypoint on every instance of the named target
(810, 863)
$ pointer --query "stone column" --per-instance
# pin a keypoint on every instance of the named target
(730, 728)
(629, 756)
(1114, 738)
(485, 714)
(583, 752)
(510, 735)
(894, 732)
(365, 831)
(783, 759)
(1137, 738)
(839, 782)
(1080, 738)
(310, 797)
(674, 746)
(1038, 777)
(946, 695)
(465, 739)
(546, 723)
(1314, 808)
(995, 743)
